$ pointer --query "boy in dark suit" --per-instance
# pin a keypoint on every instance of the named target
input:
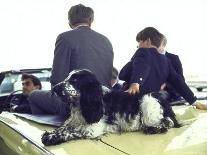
(150, 69)
(116, 85)
(173, 95)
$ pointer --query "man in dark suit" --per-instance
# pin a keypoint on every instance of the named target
(80, 48)
(150, 69)
(20, 104)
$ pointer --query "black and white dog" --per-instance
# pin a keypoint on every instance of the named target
(94, 111)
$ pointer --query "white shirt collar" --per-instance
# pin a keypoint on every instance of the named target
(163, 52)
(81, 26)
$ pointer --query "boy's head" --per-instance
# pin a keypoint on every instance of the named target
(30, 83)
(161, 49)
(148, 37)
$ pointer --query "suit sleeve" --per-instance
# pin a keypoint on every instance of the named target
(179, 84)
(178, 66)
(140, 67)
(61, 61)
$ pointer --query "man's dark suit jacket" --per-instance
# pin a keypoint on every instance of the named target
(151, 69)
(82, 48)
(22, 104)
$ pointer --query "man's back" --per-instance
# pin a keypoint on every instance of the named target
(82, 48)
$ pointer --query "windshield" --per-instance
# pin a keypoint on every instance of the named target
(12, 80)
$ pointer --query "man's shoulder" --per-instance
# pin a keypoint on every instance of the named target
(76, 33)
(66, 33)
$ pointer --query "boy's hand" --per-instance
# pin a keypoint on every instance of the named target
(133, 89)
(201, 106)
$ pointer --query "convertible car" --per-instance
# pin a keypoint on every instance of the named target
(21, 133)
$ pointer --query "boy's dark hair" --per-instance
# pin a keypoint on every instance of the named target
(80, 14)
(34, 79)
(150, 33)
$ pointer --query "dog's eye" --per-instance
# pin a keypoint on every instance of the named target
(73, 80)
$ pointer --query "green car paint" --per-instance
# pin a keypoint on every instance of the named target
(23, 137)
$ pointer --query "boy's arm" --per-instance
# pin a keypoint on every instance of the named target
(179, 83)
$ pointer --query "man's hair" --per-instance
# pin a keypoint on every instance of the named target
(34, 79)
(80, 14)
(150, 33)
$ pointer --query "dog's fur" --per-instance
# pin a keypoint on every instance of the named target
(94, 112)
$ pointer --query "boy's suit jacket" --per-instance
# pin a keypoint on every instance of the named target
(151, 69)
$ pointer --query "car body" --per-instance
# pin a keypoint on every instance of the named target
(21, 135)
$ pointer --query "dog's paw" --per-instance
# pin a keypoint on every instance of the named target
(154, 130)
(178, 124)
(50, 138)
(167, 123)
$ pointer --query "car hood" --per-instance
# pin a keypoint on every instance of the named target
(188, 140)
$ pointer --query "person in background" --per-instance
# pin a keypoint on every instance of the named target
(79, 48)
(173, 95)
(115, 80)
(20, 104)
(150, 69)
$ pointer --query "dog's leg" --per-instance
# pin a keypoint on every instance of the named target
(168, 112)
(152, 116)
(152, 112)
(66, 133)
(154, 130)
(165, 124)
(54, 137)
(171, 115)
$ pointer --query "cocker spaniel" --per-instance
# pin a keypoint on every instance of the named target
(95, 111)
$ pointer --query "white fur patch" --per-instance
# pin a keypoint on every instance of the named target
(96, 129)
(76, 119)
(152, 111)
(120, 124)
(132, 125)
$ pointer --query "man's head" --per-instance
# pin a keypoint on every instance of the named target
(80, 14)
(149, 37)
(30, 83)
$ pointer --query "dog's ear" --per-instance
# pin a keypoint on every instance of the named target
(91, 102)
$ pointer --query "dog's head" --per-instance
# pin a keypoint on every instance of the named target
(82, 89)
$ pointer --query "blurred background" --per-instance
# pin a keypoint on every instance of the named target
(29, 28)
